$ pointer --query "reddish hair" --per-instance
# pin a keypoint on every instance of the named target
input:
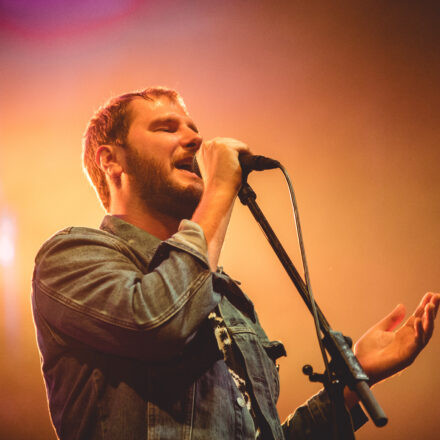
(109, 125)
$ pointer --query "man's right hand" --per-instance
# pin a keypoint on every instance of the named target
(219, 164)
(221, 173)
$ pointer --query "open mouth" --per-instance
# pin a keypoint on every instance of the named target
(185, 165)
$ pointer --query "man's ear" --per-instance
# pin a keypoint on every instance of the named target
(108, 160)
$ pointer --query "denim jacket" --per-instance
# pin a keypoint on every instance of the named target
(126, 349)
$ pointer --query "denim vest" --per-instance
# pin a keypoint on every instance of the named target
(126, 349)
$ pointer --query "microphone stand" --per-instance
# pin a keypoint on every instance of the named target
(344, 367)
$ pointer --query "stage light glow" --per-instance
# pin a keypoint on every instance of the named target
(8, 288)
(7, 240)
(54, 18)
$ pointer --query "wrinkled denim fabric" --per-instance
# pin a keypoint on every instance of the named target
(126, 349)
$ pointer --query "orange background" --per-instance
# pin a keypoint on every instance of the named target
(345, 94)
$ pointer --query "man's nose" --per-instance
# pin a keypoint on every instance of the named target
(191, 139)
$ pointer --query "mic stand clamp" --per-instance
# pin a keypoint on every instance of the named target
(342, 427)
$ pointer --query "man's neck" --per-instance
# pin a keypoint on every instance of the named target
(157, 224)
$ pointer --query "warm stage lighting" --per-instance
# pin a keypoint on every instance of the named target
(10, 319)
(7, 240)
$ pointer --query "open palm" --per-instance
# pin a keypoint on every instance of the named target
(384, 351)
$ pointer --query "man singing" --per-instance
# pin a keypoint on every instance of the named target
(141, 335)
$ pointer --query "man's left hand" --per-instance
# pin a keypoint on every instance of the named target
(383, 351)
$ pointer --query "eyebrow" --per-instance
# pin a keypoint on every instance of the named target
(171, 120)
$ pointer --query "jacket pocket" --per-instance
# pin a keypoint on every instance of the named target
(274, 350)
(171, 417)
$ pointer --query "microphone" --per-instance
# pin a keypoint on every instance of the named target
(248, 163)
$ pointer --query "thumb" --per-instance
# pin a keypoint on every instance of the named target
(393, 319)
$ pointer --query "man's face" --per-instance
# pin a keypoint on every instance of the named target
(161, 142)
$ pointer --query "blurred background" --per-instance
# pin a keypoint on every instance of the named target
(345, 94)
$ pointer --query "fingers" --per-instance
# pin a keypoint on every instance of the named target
(435, 300)
(226, 148)
(419, 337)
(219, 164)
(428, 322)
(393, 319)
(229, 143)
(425, 317)
(422, 319)
(421, 307)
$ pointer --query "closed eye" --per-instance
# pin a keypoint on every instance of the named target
(171, 124)
(166, 129)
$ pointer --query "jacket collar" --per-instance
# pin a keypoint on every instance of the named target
(134, 236)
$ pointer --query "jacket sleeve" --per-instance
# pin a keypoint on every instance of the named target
(312, 421)
(91, 287)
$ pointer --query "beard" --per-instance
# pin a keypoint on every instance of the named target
(153, 185)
